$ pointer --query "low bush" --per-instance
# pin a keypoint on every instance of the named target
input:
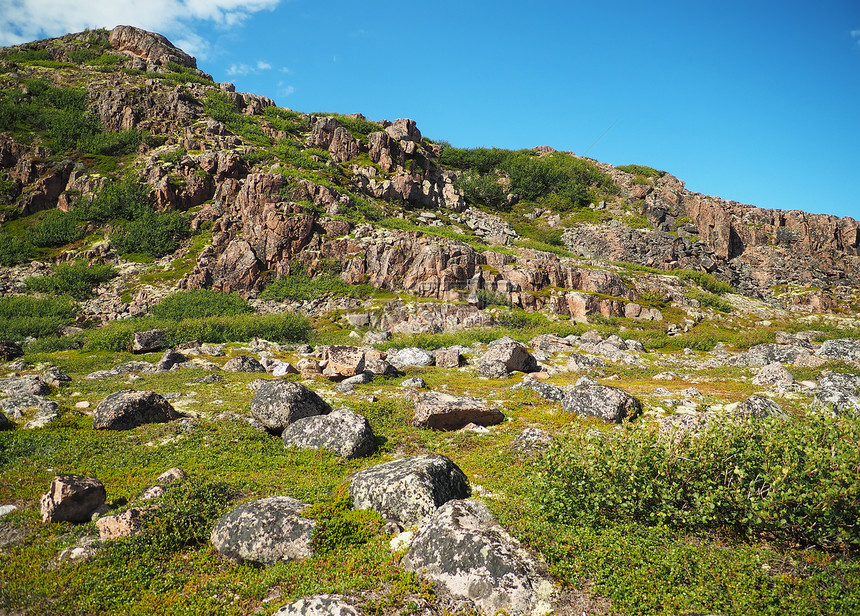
(200, 303)
(14, 250)
(491, 298)
(641, 170)
(338, 525)
(793, 480)
(300, 286)
(122, 199)
(22, 316)
(283, 327)
(483, 189)
(707, 281)
(77, 280)
(154, 234)
(55, 229)
(710, 300)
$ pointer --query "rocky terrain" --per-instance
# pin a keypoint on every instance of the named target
(263, 361)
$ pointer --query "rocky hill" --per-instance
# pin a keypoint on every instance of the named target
(494, 381)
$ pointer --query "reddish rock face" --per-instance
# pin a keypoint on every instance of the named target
(72, 498)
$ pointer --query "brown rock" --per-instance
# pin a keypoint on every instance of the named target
(72, 498)
(124, 524)
(445, 412)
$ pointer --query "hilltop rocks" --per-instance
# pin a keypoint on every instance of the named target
(445, 412)
(463, 549)
(151, 47)
(72, 498)
(127, 409)
(277, 404)
(264, 532)
(607, 403)
(408, 490)
(342, 431)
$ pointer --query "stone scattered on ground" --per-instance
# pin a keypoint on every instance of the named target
(414, 382)
(773, 374)
(591, 399)
(342, 431)
(277, 404)
(505, 356)
(463, 549)
(243, 363)
(410, 357)
(123, 524)
(319, 605)
(408, 490)
(149, 341)
(440, 411)
(127, 409)
(544, 390)
(264, 532)
(844, 349)
(838, 393)
(72, 498)
(531, 441)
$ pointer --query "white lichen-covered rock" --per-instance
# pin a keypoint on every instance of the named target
(264, 532)
(277, 404)
(508, 352)
(844, 349)
(531, 441)
(773, 374)
(839, 393)
(758, 407)
(127, 409)
(319, 605)
(408, 490)
(465, 550)
(446, 412)
(601, 401)
(412, 356)
(342, 431)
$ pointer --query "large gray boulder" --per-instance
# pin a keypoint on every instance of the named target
(319, 605)
(18, 405)
(72, 498)
(773, 374)
(408, 490)
(767, 353)
(839, 393)
(544, 390)
(758, 407)
(264, 532)
(243, 363)
(277, 404)
(463, 549)
(148, 341)
(24, 385)
(410, 357)
(128, 409)
(577, 362)
(508, 352)
(342, 431)
(845, 349)
(446, 412)
(601, 401)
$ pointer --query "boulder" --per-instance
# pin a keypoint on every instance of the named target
(509, 352)
(343, 361)
(124, 524)
(24, 385)
(448, 357)
(381, 367)
(412, 356)
(128, 409)
(17, 405)
(319, 605)
(758, 407)
(414, 382)
(55, 377)
(10, 350)
(408, 490)
(277, 404)
(243, 363)
(342, 431)
(601, 401)
(72, 498)
(837, 392)
(773, 374)
(531, 441)
(169, 359)
(148, 341)
(463, 549)
(544, 390)
(5, 422)
(264, 532)
(767, 353)
(845, 349)
(446, 412)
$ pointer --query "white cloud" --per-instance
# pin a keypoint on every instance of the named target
(855, 34)
(284, 89)
(263, 66)
(245, 69)
(26, 20)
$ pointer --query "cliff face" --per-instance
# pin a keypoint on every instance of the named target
(281, 188)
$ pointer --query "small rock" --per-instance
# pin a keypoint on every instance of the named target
(773, 374)
(124, 524)
(411, 357)
(416, 382)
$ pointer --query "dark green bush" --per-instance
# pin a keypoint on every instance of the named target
(112, 143)
(483, 190)
(338, 525)
(200, 303)
(153, 234)
(55, 229)
(76, 281)
(792, 479)
(641, 170)
(22, 317)
(14, 250)
(299, 286)
(707, 281)
(711, 300)
(123, 199)
(491, 298)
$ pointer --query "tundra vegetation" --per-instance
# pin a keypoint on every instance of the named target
(691, 504)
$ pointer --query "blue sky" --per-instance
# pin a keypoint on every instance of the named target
(754, 101)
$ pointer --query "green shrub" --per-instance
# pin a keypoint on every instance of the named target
(710, 300)
(299, 286)
(55, 229)
(77, 280)
(491, 298)
(287, 120)
(482, 189)
(707, 281)
(52, 344)
(200, 303)
(292, 154)
(124, 199)
(338, 525)
(152, 234)
(22, 317)
(641, 170)
(14, 250)
(112, 143)
(794, 480)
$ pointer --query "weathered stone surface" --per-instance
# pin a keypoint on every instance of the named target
(26, 385)
(601, 401)
(408, 490)
(125, 368)
(319, 605)
(544, 390)
(415, 382)
(10, 350)
(412, 356)
(277, 404)
(169, 359)
(149, 46)
(758, 407)
(55, 377)
(509, 352)
(342, 431)
(128, 409)
(768, 353)
(243, 363)
(577, 362)
(72, 498)
(381, 367)
(773, 374)
(439, 411)
(449, 357)
(264, 532)
(844, 349)
(124, 524)
(839, 393)
(465, 550)
(531, 441)
(17, 405)
(172, 475)
(343, 361)
(149, 341)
